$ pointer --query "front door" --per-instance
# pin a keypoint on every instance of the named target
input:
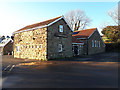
(75, 50)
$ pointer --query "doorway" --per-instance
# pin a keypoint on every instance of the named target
(76, 50)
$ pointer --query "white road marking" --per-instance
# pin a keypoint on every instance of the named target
(6, 67)
(11, 68)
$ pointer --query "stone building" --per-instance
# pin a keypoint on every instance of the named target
(6, 46)
(77, 47)
(87, 42)
(45, 40)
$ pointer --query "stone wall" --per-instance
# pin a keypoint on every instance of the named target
(33, 44)
(95, 50)
(84, 51)
(55, 38)
(8, 48)
(43, 43)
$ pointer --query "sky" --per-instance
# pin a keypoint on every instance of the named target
(16, 15)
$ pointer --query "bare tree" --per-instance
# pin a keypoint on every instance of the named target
(113, 13)
(119, 13)
(77, 19)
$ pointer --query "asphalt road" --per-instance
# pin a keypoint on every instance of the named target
(82, 72)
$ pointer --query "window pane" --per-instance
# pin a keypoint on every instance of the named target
(60, 28)
(99, 43)
(92, 43)
(60, 47)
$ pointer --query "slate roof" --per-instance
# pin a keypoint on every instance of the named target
(5, 41)
(1, 38)
(83, 33)
(39, 24)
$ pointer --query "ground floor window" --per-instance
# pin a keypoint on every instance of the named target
(92, 43)
(99, 43)
(95, 43)
(18, 48)
(81, 46)
(60, 48)
(40, 46)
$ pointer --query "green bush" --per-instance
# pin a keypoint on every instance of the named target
(112, 32)
(118, 40)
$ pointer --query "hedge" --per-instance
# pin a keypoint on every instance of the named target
(112, 47)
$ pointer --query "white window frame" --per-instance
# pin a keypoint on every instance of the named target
(95, 43)
(99, 43)
(92, 43)
(17, 48)
(60, 28)
(80, 46)
(60, 48)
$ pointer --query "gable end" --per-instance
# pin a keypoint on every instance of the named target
(45, 25)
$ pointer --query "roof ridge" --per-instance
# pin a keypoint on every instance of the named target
(85, 29)
(42, 23)
(46, 20)
(85, 33)
(88, 29)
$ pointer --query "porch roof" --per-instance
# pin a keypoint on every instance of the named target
(75, 40)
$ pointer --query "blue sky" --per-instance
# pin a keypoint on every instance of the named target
(16, 15)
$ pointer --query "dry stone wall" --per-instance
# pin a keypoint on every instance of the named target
(31, 44)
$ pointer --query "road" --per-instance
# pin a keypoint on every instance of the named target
(82, 72)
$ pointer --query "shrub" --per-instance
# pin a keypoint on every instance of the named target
(118, 40)
(113, 47)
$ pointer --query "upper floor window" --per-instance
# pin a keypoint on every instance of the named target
(60, 48)
(60, 28)
(92, 43)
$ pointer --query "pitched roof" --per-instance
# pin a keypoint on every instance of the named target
(74, 40)
(5, 41)
(39, 24)
(84, 33)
